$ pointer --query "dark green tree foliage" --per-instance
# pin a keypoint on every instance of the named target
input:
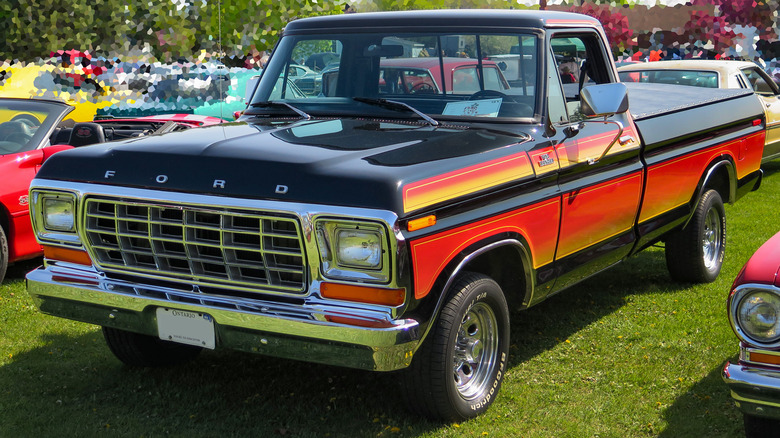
(34, 28)
(170, 29)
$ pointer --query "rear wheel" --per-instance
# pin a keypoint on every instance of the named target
(695, 253)
(457, 373)
(139, 350)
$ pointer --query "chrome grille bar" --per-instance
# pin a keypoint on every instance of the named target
(245, 250)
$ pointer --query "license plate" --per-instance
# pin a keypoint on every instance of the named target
(186, 327)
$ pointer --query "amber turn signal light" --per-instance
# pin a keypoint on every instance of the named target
(764, 358)
(423, 222)
(67, 255)
(363, 294)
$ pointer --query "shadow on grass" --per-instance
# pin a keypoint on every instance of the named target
(75, 387)
(18, 270)
(709, 403)
(544, 326)
(771, 168)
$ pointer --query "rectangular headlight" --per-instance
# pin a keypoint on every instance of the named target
(353, 250)
(356, 248)
(58, 213)
(53, 216)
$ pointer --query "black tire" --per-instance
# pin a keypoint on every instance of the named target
(695, 253)
(757, 427)
(457, 372)
(139, 350)
(3, 254)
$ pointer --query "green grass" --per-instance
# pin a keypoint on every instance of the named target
(628, 353)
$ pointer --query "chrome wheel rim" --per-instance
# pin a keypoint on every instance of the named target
(712, 240)
(476, 351)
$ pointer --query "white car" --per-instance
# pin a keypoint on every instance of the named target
(717, 74)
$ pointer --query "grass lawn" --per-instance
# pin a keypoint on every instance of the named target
(628, 353)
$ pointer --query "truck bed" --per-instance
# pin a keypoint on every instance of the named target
(665, 113)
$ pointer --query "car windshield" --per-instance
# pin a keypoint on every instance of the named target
(444, 76)
(25, 124)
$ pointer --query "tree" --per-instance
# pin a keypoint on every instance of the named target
(616, 26)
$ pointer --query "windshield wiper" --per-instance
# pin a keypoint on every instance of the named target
(398, 106)
(283, 104)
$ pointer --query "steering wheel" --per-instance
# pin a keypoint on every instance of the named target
(422, 87)
(16, 131)
(27, 118)
(490, 94)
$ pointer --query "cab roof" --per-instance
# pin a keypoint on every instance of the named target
(435, 20)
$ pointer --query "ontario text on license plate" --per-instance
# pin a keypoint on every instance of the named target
(186, 327)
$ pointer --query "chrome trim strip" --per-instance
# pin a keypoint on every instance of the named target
(755, 390)
(301, 330)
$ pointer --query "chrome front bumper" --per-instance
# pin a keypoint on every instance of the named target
(756, 390)
(314, 331)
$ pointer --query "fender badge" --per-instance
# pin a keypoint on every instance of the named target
(24, 199)
(545, 160)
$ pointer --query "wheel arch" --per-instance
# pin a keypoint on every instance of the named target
(498, 258)
(721, 176)
(5, 222)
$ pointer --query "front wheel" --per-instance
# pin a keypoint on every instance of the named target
(3, 254)
(457, 372)
(139, 350)
(695, 253)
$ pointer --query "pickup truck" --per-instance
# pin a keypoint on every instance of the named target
(382, 228)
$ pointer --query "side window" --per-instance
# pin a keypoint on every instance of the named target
(757, 82)
(580, 60)
(556, 103)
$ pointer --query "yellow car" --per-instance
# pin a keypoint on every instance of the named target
(717, 74)
(56, 82)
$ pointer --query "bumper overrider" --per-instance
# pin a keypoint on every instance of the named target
(133, 273)
(754, 387)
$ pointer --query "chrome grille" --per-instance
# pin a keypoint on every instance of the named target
(196, 245)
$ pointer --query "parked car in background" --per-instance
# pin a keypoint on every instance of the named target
(31, 130)
(424, 75)
(86, 93)
(717, 74)
(754, 314)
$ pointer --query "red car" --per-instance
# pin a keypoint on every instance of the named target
(423, 75)
(754, 313)
(31, 130)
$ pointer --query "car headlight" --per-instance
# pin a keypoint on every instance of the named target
(758, 316)
(54, 217)
(58, 213)
(353, 250)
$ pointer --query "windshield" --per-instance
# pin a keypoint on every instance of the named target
(446, 76)
(25, 124)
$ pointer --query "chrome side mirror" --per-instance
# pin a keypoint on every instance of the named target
(604, 100)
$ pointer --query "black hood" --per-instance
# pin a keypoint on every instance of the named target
(309, 161)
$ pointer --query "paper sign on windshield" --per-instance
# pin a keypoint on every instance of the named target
(474, 108)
